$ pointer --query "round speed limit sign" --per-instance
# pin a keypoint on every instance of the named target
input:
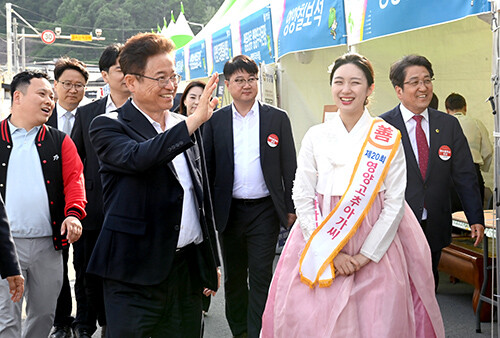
(48, 36)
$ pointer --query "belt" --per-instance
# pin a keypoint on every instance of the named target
(184, 251)
(251, 201)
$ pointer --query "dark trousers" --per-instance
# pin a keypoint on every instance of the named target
(64, 302)
(88, 288)
(248, 250)
(169, 309)
(435, 256)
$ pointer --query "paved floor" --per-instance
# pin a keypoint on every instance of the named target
(455, 301)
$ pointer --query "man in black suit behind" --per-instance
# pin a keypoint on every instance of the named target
(445, 150)
(93, 309)
(157, 247)
(251, 163)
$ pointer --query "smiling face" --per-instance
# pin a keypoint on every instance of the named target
(146, 93)
(70, 98)
(32, 104)
(416, 98)
(192, 99)
(350, 89)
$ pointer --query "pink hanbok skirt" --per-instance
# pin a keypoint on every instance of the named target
(392, 298)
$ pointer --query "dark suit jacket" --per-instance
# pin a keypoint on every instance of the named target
(278, 163)
(434, 192)
(93, 186)
(9, 264)
(143, 198)
(52, 121)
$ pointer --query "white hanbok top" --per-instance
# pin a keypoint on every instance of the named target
(325, 164)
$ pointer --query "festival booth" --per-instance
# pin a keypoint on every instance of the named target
(296, 41)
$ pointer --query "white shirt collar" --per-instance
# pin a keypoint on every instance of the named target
(61, 111)
(155, 124)
(110, 105)
(253, 110)
(408, 115)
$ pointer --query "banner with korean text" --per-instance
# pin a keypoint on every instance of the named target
(180, 67)
(256, 36)
(222, 48)
(198, 60)
(311, 24)
(368, 19)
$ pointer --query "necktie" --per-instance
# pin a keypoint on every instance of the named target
(67, 122)
(423, 148)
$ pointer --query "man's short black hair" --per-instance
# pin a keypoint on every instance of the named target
(455, 101)
(238, 63)
(70, 63)
(22, 80)
(397, 73)
(109, 56)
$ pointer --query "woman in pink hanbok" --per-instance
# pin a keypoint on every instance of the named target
(382, 283)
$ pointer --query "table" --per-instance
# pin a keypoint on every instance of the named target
(465, 262)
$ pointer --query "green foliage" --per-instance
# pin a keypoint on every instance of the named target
(118, 19)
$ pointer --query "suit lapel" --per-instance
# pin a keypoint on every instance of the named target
(52, 121)
(227, 133)
(435, 140)
(136, 121)
(263, 131)
(399, 123)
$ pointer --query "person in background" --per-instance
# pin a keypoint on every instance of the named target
(70, 79)
(191, 97)
(478, 140)
(434, 102)
(251, 163)
(42, 172)
(91, 308)
(437, 154)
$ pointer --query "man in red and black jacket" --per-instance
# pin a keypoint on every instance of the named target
(41, 181)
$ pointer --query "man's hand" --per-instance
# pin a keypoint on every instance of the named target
(291, 219)
(477, 232)
(72, 227)
(16, 287)
(206, 107)
(207, 292)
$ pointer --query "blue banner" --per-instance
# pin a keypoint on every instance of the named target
(257, 36)
(222, 48)
(311, 24)
(198, 60)
(383, 17)
(180, 67)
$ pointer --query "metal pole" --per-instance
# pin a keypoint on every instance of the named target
(495, 104)
(16, 46)
(23, 51)
(8, 14)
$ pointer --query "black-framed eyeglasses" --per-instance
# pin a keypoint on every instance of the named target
(68, 85)
(414, 83)
(162, 80)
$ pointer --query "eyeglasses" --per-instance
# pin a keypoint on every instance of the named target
(68, 85)
(242, 82)
(415, 82)
(162, 80)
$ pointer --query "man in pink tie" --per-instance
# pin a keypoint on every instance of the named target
(436, 154)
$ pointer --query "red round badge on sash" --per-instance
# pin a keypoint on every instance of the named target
(273, 140)
(444, 153)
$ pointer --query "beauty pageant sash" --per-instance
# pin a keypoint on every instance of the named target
(379, 148)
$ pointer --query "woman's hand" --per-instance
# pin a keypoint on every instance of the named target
(345, 265)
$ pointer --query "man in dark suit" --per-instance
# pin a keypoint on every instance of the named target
(436, 153)
(251, 163)
(70, 78)
(88, 312)
(9, 263)
(157, 247)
